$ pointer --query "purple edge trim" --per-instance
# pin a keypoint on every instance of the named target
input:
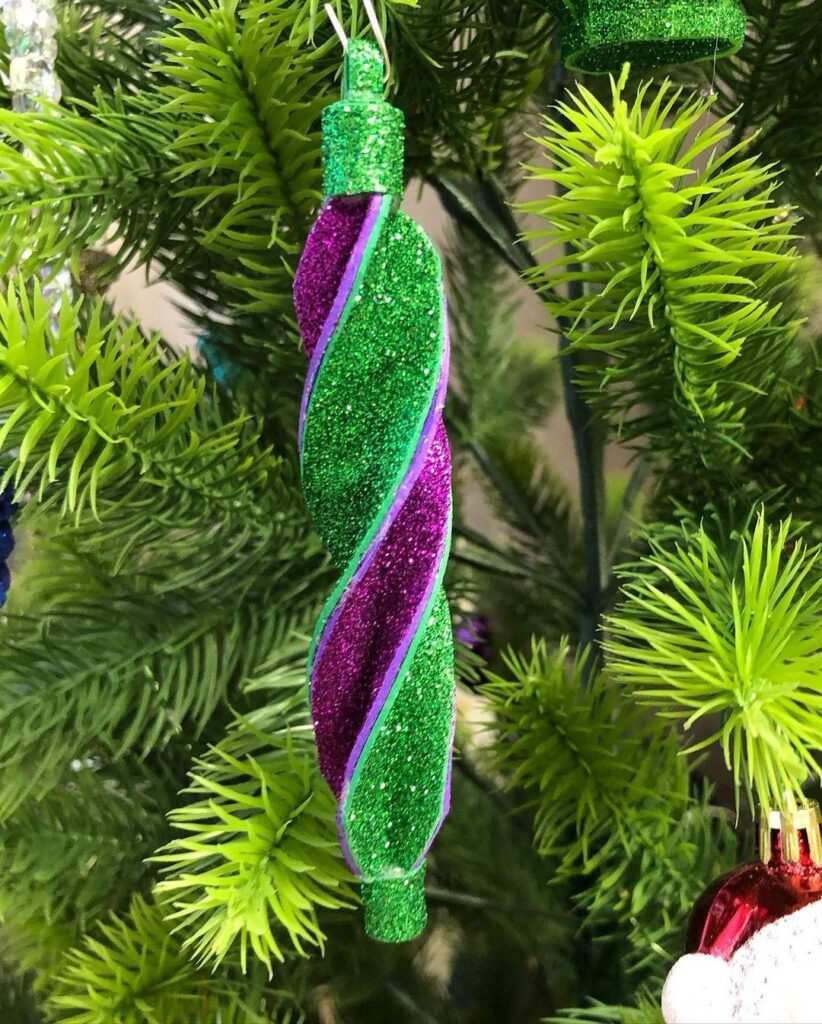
(402, 650)
(336, 311)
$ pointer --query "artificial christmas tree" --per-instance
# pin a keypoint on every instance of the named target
(168, 843)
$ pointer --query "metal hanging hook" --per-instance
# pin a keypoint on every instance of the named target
(373, 21)
(376, 28)
(337, 26)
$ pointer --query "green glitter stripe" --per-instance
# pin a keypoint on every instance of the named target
(395, 908)
(387, 428)
(408, 748)
(371, 158)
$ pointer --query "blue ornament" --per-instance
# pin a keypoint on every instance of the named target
(6, 540)
(8, 507)
(225, 372)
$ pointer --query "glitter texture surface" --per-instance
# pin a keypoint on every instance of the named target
(771, 979)
(31, 36)
(326, 256)
(600, 35)
(363, 145)
(753, 937)
(395, 907)
(377, 478)
(377, 619)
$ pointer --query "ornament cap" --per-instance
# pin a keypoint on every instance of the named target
(363, 136)
(363, 71)
(395, 908)
(792, 835)
(600, 35)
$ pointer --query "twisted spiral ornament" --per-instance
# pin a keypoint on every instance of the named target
(376, 475)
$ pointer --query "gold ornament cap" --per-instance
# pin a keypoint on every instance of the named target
(791, 836)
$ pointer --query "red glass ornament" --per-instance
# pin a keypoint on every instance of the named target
(787, 877)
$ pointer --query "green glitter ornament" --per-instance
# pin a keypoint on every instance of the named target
(601, 35)
(376, 475)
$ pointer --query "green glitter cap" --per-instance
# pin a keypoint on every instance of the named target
(363, 136)
(600, 35)
(395, 908)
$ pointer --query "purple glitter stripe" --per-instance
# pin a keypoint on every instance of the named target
(378, 612)
(408, 480)
(401, 656)
(343, 294)
(396, 664)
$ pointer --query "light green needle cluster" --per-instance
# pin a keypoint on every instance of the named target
(725, 640)
(135, 972)
(678, 259)
(258, 858)
(88, 402)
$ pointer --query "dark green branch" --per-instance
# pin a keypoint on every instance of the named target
(763, 54)
(588, 434)
(523, 513)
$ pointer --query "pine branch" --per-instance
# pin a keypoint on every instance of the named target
(503, 389)
(96, 420)
(132, 971)
(106, 44)
(462, 68)
(246, 97)
(259, 855)
(646, 1011)
(704, 630)
(78, 853)
(589, 448)
(128, 670)
(503, 384)
(590, 765)
(543, 536)
(99, 171)
(772, 84)
(681, 285)
(647, 912)
(482, 842)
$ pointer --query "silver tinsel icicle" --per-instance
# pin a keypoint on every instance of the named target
(31, 34)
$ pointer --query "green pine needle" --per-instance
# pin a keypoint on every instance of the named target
(123, 672)
(67, 859)
(99, 171)
(245, 97)
(87, 403)
(646, 1010)
(771, 85)
(729, 640)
